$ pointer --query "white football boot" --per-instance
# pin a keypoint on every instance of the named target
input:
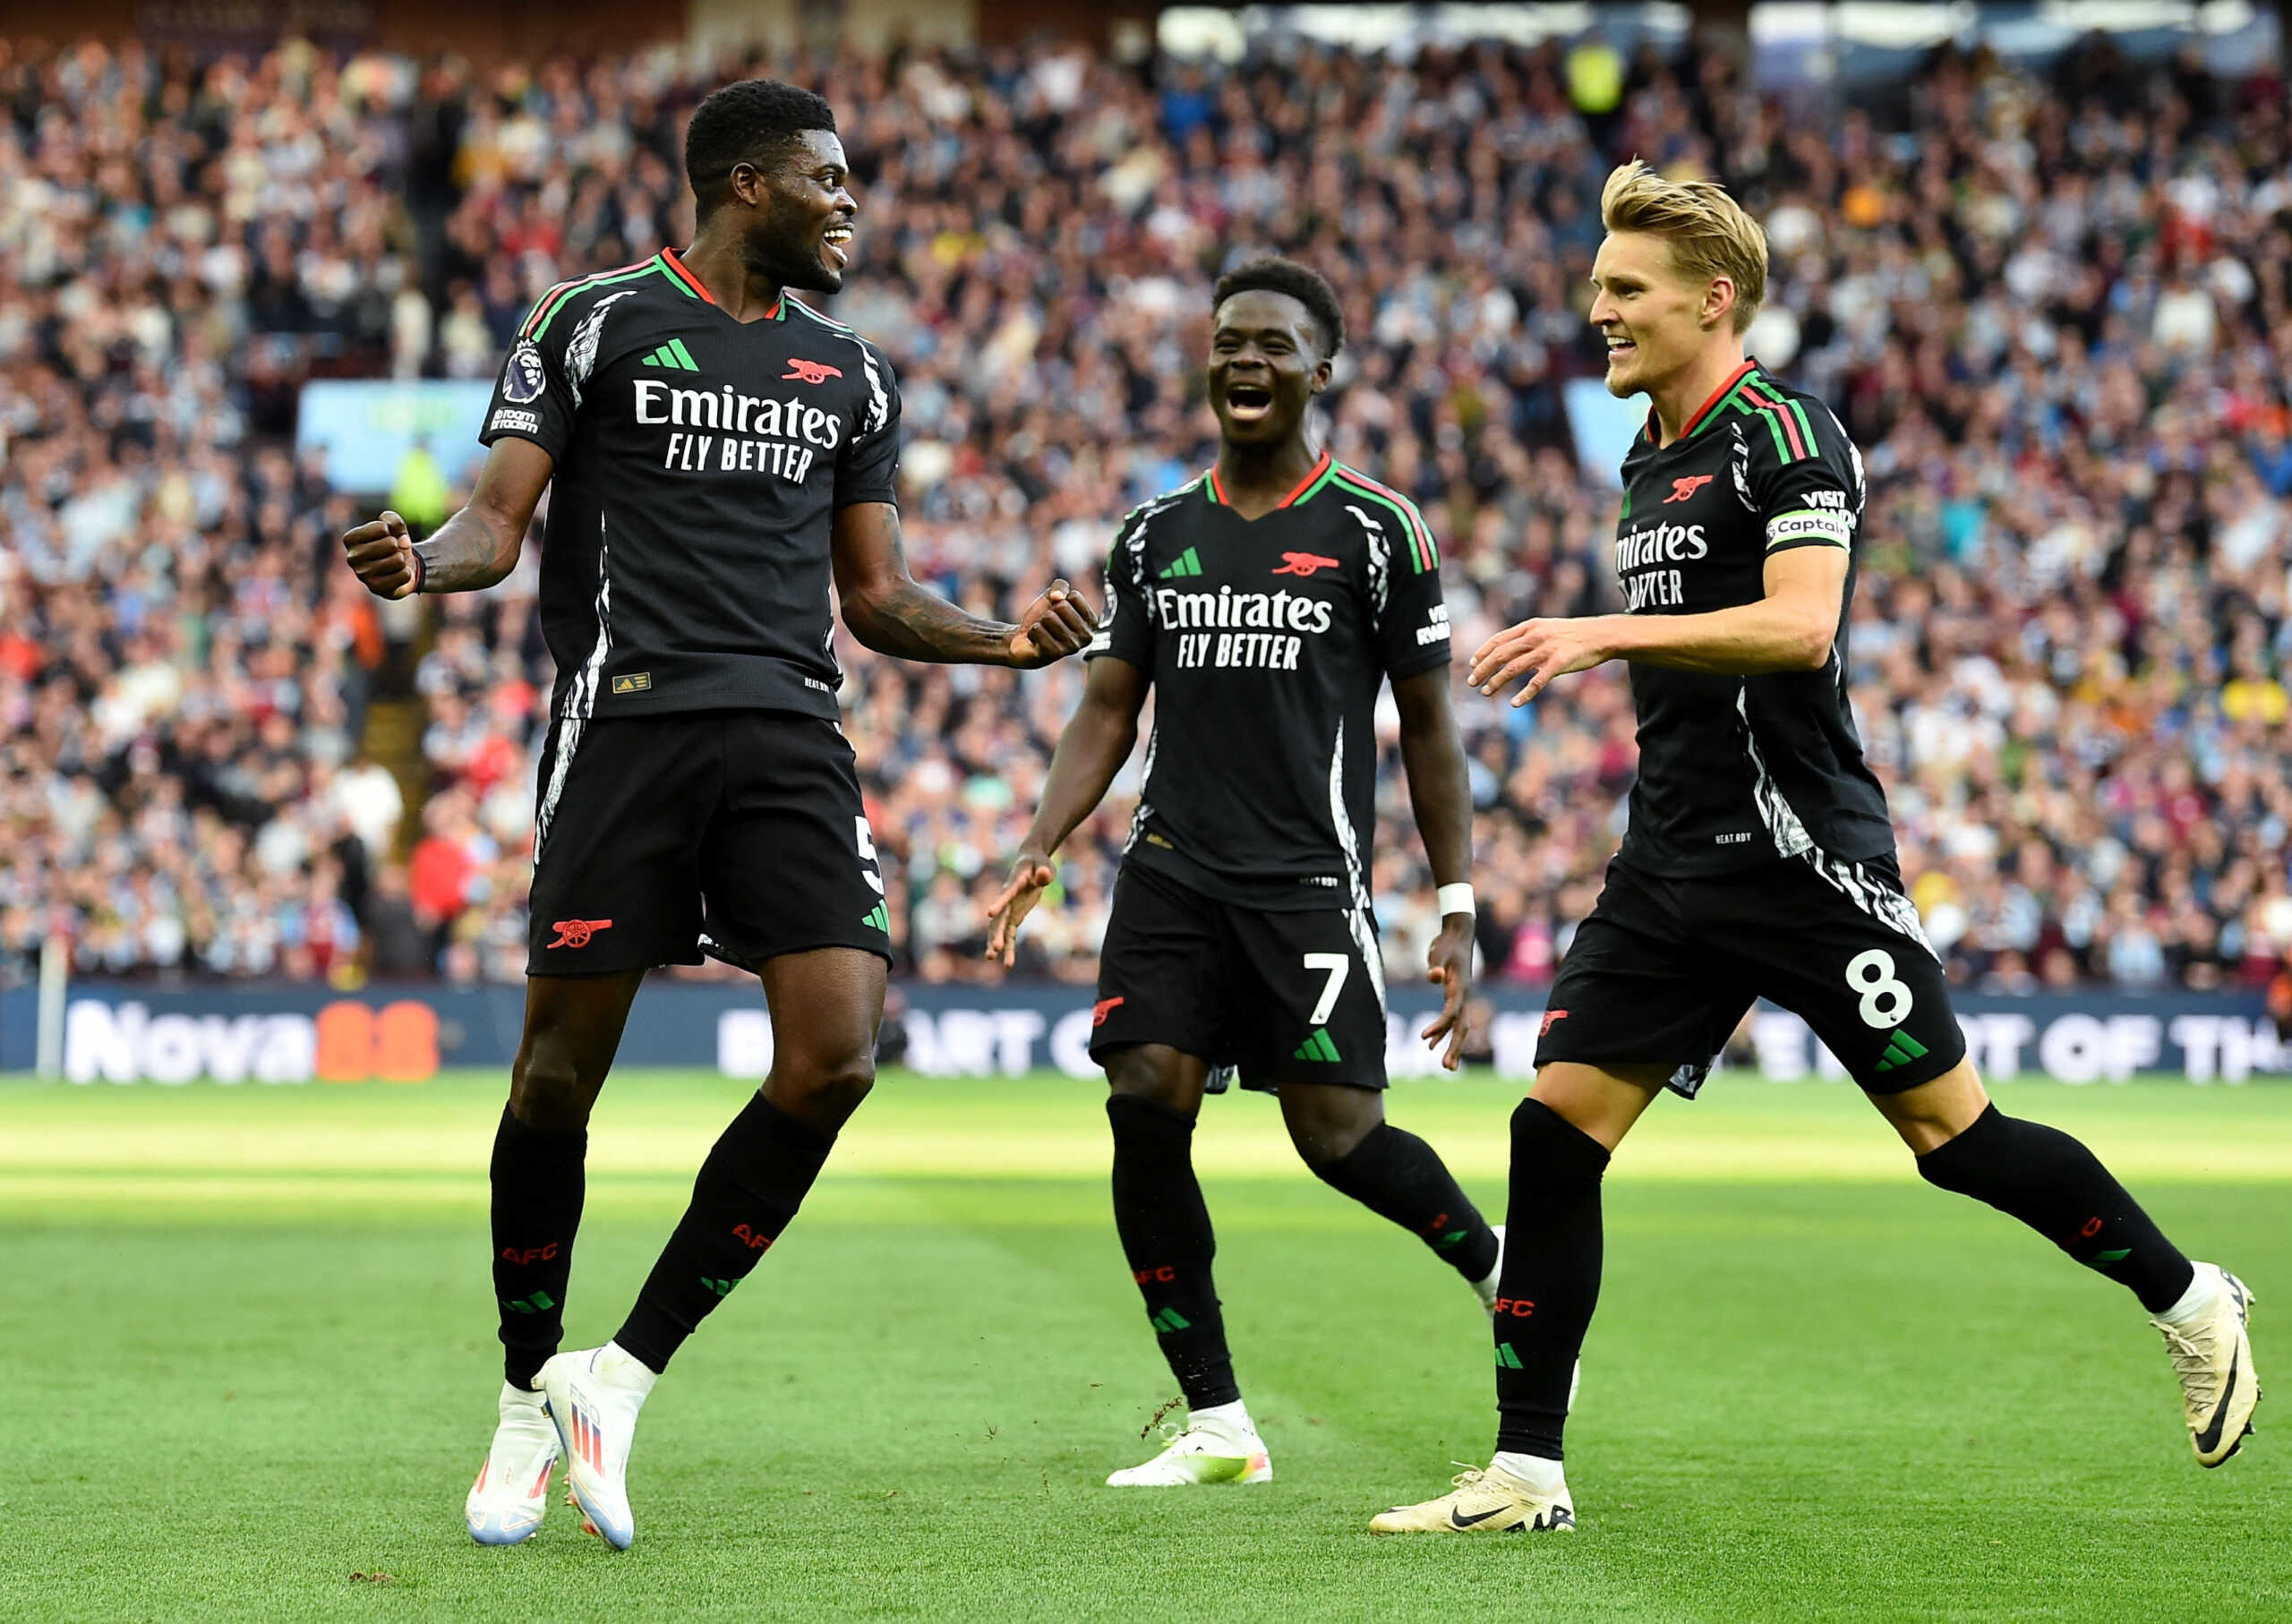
(593, 1396)
(1489, 1500)
(506, 1502)
(2212, 1356)
(1214, 1446)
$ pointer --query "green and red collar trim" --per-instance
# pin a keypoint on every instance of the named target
(1710, 408)
(693, 284)
(1304, 488)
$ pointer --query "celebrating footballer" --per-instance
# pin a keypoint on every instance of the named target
(718, 453)
(1265, 603)
(1758, 861)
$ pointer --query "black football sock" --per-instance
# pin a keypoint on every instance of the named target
(748, 1193)
(2058, 1188)
(1550, 1281)
(1399, 1176)
(537, 1186)
(1165, 1228)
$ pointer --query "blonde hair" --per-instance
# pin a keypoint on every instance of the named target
(1709, 233)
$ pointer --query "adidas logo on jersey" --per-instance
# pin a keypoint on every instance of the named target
(674, 355)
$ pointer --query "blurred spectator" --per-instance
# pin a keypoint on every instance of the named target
(398, 946)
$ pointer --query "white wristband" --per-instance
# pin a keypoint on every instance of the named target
(1455, 899)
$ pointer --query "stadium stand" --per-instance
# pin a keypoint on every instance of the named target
(2058, 327)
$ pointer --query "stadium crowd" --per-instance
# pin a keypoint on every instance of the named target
(2054, 313)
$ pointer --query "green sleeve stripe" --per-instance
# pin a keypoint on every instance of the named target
(1423, 553)
(833, 326)
(1416, 548)
(1772, 427)
(555, 299)
(1807, 428)
(548, 301)
(1418, 528)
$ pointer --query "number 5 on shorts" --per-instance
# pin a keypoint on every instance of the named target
(1337, 965)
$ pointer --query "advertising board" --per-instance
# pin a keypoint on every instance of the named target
(127, 1032)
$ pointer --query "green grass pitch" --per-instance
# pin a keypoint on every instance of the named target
(249, 1355)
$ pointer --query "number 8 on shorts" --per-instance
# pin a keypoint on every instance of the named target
(1885, 1001)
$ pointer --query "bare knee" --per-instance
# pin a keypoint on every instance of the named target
(572, 1027)
(1157, 1073)
(1327, 1121)
(1602, 1102)
(1933, 1114)
(547, 1089)
(822, 1090)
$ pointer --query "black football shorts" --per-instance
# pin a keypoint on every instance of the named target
(1282, 997)
(736, 833)
(1663, 970)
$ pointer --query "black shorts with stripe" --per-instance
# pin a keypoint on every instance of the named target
(1663, 970)
(1278, 997)
(736, 833)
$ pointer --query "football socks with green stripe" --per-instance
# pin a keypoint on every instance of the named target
(2058, 1188)
(1164, 1225)
(537, 1179)
(747, 1194)
(1400, 1177)
(1551, 1283)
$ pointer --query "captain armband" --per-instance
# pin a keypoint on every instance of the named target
(1811, 525)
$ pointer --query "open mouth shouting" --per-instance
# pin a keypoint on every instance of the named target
(1248, 402)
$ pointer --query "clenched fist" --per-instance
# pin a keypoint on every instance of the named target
(381, 555)
(1056, 624)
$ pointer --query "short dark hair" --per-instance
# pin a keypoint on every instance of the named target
(747, 121)
(1309, 288)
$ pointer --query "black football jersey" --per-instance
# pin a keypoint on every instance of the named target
(1739, 770)
(700, 462)
(1267, 641)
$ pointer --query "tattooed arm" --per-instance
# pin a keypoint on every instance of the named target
(887, 611)
(471, 551)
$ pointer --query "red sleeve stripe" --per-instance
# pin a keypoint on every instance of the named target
(1428, 556)
(1774, 408)
(563, 291)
